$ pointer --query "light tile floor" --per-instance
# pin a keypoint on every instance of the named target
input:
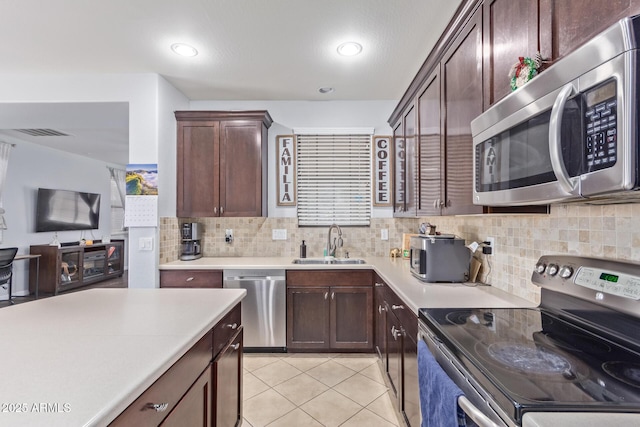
(315, 390)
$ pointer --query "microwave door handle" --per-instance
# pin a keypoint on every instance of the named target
(555, 145)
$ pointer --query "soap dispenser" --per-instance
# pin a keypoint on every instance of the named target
(303, 250)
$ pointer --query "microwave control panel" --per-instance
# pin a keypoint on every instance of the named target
(601, 130)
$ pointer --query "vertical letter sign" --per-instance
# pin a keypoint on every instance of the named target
(286, 170)
(382, 174)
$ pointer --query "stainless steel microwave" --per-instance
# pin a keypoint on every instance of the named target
(570, 134)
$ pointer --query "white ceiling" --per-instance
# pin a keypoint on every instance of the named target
(248, 49)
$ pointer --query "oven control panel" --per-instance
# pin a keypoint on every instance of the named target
(580, 276)
(610, 282)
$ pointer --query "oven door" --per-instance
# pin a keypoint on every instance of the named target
(474, 397)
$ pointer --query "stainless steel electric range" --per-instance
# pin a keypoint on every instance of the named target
(578, 352)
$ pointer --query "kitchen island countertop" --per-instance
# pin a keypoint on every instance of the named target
(395, 271)
(80, 359)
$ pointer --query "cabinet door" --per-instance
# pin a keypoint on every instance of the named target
(394, 352)
(462, 102)
(399, 171)
(431, 163)
(380, 337)
(352, 317)
(115, 256)
(567, 24)
(197, 169)
(228, 385)
(411, 158)
(194, 409)
(410, 405)
(308, 317)
(510, 31)
(241, 168)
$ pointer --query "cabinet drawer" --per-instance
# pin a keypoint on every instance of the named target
(169, 388)
(190, 278)
(226, 329)
(329, 277)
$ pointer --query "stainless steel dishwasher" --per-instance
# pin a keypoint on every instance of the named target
(264, 311)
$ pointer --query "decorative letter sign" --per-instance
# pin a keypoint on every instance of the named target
(286, 170)
(382, 175)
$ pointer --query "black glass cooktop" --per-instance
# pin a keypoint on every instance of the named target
(532, 359)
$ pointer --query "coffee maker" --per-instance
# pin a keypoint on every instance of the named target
(191, 235)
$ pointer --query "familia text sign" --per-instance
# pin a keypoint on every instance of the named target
(286, 170)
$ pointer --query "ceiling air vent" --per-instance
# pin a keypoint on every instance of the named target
(41, 132)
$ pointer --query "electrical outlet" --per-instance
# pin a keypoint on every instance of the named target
(490, 246)
(228, 235)
(279, 234)
(384, 234)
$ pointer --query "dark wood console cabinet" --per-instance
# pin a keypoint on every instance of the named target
(70, 267)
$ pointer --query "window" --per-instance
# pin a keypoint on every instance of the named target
(334, 179)
(117, 200)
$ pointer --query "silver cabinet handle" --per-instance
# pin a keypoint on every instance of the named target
(381, 308)
(379, 284)
(235, 346)
(326, 295)
(221, 210)
(158, 407)
(232, 326)
(333, 295)
(395, 333)
(189, 279)
(397, 307)
(215, 209)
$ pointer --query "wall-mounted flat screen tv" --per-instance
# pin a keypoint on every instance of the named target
(61, 210)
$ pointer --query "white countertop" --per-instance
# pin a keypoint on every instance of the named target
(80, 359)
(395, 271)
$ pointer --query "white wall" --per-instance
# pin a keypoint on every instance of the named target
(31, 167)
(288, 115)
(149, 99)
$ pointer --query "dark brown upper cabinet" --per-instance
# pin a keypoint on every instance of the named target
(510, 31)
(461, 98)
(222, 163)
(567, 24)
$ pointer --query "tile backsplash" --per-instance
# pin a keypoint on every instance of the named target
(599, 231)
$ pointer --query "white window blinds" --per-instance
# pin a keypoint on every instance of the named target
(334, 179)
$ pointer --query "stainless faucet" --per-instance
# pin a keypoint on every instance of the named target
(331, 247)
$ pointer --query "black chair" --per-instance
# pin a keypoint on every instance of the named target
(6, 268)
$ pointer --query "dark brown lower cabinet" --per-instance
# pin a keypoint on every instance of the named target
(227, 377)
(194, 409)
(398, 350)
(329, 310)
(308, 318)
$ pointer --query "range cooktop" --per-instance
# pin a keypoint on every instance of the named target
(570, 354)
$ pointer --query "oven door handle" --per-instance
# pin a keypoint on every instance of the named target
(474, 413)
(555, 143)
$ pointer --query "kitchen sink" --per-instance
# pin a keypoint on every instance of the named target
(329, 261)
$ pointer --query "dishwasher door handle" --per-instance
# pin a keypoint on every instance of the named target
(254, 278)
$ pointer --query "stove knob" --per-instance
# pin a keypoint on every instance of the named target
(552, 269)
(540, 267)
(566, 271)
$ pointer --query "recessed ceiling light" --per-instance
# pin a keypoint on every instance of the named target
(326, 89)
(349, 49)
(184, 49)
